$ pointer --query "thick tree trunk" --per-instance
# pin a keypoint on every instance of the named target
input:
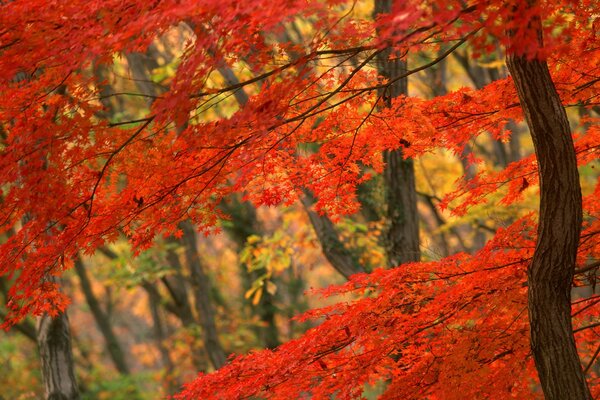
(402, 234)
(550, 274)
(54, 342)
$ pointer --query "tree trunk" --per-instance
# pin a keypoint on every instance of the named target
(113, 346)
(550, 274)
(333, 248)
(204, 308)
(170, 384)
(402, 233)
(54, 342)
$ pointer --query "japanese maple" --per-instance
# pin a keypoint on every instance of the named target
(73, 181)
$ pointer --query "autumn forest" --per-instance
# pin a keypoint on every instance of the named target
(299, 199)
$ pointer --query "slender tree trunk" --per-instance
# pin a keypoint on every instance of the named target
(204, 307)
(113, 346)
(177, 288)
(54, 342)
(550, 274)
(333, 248)
(171, 385)
(402, 234)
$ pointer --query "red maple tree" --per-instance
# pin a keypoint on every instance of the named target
(457, 328)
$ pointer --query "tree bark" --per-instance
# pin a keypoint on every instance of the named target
(402, 233)
(550, 274)
(54, 342)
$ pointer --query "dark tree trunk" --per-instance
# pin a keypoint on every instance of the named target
(402, 233)
(177, 288)
(551, 271)
(54, 342)
(112, 343)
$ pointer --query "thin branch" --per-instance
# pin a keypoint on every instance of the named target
(587, 367)
(587, 268)
(583, 328)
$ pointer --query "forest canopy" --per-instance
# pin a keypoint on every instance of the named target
(300, 199)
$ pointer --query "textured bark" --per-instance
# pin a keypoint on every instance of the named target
(333, 249)
(550, 274)
(402, 233)
(113, 346)
(54, 342)
(203, 302)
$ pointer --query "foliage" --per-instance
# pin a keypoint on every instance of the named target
(19, 379)
(73, 181)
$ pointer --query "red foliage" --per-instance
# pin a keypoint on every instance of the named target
(449, 329)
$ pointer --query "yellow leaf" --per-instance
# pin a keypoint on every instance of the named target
(253, 239)
(493, 64)
(249, 293)
(257, 296)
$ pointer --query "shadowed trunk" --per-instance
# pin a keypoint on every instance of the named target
(550, 274)
(177, 287)
(54, 342)
(402, 233)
